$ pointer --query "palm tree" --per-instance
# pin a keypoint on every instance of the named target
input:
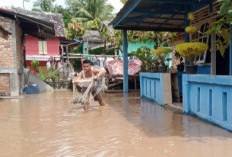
(91, 12)
(43, 5)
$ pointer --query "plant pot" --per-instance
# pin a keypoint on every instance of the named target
(162, 69)
(154, 70)
(190, 69)
(180, 67)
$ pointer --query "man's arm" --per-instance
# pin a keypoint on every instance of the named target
(99, 73)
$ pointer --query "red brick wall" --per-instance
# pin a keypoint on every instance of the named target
(6, 57)
(4, 85)
(10, 58)
(6, 46)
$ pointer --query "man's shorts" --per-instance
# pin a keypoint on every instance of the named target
(97, 97)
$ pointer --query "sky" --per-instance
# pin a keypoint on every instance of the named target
(28, 5)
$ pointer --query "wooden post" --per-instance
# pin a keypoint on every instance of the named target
(213, 53)
(186, 23)
(125, 63)
(230, 50)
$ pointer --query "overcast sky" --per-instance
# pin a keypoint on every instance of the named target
(28, 5)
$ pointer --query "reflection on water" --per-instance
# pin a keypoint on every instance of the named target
(47, 125)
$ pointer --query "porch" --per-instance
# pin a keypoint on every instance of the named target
(207, 96)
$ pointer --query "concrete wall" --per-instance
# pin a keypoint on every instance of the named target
(209, 97)
(156, 87)
(30, 77)
(19, 56)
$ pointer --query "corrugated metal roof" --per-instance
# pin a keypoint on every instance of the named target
(156, 15)
(39, 24)
(92, 36)
(54, 18)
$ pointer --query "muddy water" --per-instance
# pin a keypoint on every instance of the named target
(47, 125)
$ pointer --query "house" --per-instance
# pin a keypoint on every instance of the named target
(207, 96)
(92, 40)
(13, 27)
(44, 50)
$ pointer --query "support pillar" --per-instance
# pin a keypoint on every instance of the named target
(186, 23)
(125, 62)
(213, 54)
(230, 50)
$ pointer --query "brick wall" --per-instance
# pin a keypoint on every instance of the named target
(179, 39)
(4, 85)
(6, 46)
(11, 57)
(6, 57)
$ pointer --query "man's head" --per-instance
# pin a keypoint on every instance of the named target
(87, 65)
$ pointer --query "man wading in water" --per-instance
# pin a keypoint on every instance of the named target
(90, 72)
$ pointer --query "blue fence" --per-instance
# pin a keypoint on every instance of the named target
(203, 69)
(156, 87)
(209, 97)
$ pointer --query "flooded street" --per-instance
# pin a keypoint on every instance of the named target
(48, 125)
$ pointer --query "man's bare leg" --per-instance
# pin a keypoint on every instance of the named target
(86, 107)
(101, 103)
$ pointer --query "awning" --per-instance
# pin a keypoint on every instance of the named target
(156, 15)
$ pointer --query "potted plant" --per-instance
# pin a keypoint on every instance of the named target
(161, 54)
(191, 50)
(148, 61)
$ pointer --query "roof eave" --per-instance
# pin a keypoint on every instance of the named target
(150, 29)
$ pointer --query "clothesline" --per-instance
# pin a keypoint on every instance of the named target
(71, 56)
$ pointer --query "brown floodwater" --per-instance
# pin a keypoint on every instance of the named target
(48, 125)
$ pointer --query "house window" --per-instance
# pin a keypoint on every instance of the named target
(42, 46)
(205, 38)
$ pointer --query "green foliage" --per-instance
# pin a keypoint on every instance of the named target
(100, 50)
(41, 75)
(53, 74)
(77, 62)
(221, 27)
(49, 73)
(35, 65)
(48, 6)
(148, 60)
(67, 16)
(161, 54)
(90, 12)
(75, 30)
(135, 36)
(44, 5)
